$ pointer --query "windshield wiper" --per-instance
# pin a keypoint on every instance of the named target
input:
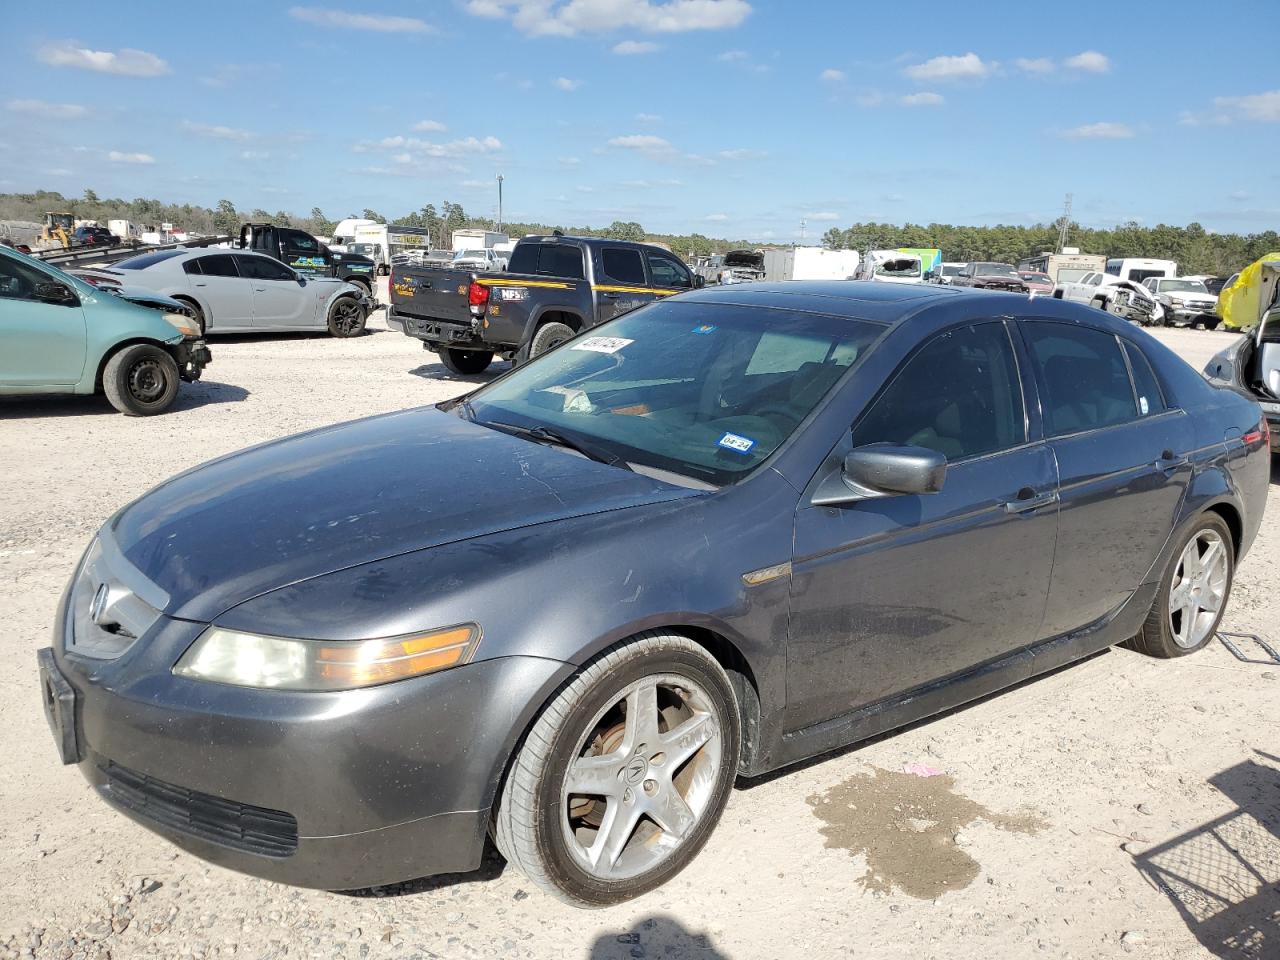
(543, 434)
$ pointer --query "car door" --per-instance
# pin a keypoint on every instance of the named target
(1122, 457)
(217, 284)
(895, 593)
(42, 336)
(281, 300)
(621, 284)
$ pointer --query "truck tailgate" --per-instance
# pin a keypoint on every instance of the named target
(424, 292)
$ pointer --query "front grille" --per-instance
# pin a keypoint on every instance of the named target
(268, 833)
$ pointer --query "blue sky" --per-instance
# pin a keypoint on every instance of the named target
(734, 118)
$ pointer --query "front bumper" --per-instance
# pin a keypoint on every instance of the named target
(1190, 316)
(381, 785)
(192, 356)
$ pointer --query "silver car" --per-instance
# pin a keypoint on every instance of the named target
(238, 291)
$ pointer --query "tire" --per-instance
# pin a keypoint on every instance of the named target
(1212, 324)
(548, 337)
(1170, 632)
(346, 317)
(195, 309)
(662, 784)
(1099, 303)
(141, 380)
(363, 283)
(466, 363)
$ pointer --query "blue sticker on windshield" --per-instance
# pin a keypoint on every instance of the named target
(731, 441)
(705, 328)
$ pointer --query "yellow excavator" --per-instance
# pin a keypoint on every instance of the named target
(57, 229)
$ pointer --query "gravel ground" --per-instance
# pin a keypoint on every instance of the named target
(1122, 805)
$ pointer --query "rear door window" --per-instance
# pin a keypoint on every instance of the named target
(263, 268)
(622, 265)
(1083, 378)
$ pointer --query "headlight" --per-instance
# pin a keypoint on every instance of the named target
(184, 325)
(283, 663)
(1176, 301)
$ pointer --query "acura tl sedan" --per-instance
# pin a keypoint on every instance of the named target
(706, 539)
(239, 291)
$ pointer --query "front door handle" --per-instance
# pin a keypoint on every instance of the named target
(1029, 500)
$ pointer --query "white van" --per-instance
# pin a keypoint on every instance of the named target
(1137, 269)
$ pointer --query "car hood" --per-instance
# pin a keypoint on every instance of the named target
(312, 504)
(749, 259)
(145, 298)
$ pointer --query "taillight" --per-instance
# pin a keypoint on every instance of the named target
(391, 277)
(477, 294)
(1260, 433)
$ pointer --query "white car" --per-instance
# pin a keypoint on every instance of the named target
(238, 291)
(486, 260)
(1124, 298)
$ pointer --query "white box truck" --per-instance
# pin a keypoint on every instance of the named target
(810, 263)
(473, 239)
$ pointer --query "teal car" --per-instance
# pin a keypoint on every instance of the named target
(59, 334)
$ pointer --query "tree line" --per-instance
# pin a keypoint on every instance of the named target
(1195, 249)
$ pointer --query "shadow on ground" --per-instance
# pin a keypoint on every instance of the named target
(438, 371)
(655, 937)
(491, 867)
(202, 393)
(1223, 877)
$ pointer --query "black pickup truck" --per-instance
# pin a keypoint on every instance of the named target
(305, 254)
(554, 287)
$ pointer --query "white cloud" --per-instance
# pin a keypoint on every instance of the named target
(717, 217)
(429, 126)
(215, 132)
(569, 161)
(1099, 131)
(967, 67)
(567, 85)
(741, 153)
(832, 75)
(565, 18)
(346, 20)
(925, 99)
(115, 156)
(648, 118)
(254, 155)
(730, 55)
(126, 62)
(415, 146)
(644, 142)
(822, 216)
(869, 98)
(54, 111)
(629, 48)
(1034, 65)
(583, 188)
(476, 184)
(1091, 61)
(1257, 106)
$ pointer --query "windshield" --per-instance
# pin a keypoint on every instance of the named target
(470, 255)
(706, 391)
(1035, 277)
(1181, 286)
(899, 267)
(952, 270)
(995, 270)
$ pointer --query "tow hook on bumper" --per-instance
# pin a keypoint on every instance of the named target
(192, 357)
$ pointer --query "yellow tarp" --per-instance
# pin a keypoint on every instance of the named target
(1238, 304)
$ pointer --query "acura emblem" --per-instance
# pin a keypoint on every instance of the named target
(98, 605)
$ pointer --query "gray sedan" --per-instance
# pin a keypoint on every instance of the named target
(712, 537)
(238, 291)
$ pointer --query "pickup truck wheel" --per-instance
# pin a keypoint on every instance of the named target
(140, 380)
(1212, 324)
(1100, 303)
(548, 337)
(466, 363)
(346, 317)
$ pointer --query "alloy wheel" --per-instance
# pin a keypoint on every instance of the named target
(346, 315)
(1198, 589)
(642, 777)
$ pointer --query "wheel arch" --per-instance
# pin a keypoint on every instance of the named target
(1235, 523)
(116, 348)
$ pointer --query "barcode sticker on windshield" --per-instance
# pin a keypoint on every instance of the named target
(731, 441)
(602, 344)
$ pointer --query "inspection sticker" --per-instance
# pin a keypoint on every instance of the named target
(602, 344)
(731, 441)
(705, 328)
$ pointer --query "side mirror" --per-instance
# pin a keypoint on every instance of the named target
(883, 470)
(51, 291)
(699, 281)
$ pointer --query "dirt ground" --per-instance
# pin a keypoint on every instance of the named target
(1122, 805)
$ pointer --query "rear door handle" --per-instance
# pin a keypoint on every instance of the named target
(610, 296)
(1029, 500)
(1170, 462)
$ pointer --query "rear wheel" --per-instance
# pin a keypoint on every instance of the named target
(624, 775)
(346, 317)
(549, 336)
(141, 380)
(466, 363)
(1197, 583)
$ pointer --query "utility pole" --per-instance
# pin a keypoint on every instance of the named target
(499, 203)
(803, 223)
(1065, 225)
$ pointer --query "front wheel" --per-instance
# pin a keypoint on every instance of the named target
(466, 363)
(346, 317)
(1193, 594)
(624, 774)
(141, 380)
(1212, 323)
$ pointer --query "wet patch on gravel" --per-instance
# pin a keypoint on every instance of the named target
(909, 829)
